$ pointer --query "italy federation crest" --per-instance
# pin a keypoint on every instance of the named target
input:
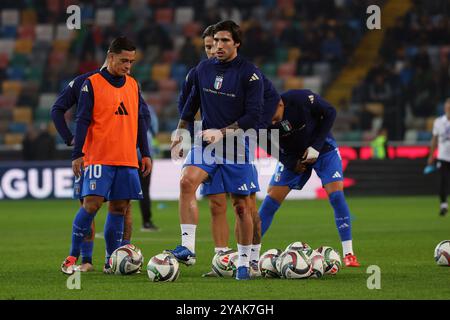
(218, 82)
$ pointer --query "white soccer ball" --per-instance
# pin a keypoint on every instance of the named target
(126, 260)
(332, 260)
(317, 264)
(267, 263)
(442, 253)
(299, 245)
(294, 264)
(163, 268)
(224, 263)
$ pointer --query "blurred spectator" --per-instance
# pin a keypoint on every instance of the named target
(379, 144)
(38, 144)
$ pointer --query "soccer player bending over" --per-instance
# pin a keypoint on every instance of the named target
(111, 121)
(230, 92)
(306, 144)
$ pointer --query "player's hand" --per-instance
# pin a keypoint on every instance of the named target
(300, 167)
(212, 135)
(176, 149)
(78, 166)
(310, 156)
(146, 166)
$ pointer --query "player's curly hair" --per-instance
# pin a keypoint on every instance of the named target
(231, 27)
(121, 43)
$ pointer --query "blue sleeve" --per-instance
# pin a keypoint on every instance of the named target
(143, 125)
(66, 99)
(254, 100)
(192, 104)
(323, 111)
(84, 118)
(185, 90)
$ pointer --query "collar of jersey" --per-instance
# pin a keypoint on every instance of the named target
(115, 81)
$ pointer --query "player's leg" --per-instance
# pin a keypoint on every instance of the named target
(256, 241)
(127, 226)
(87, 249)
(219, 224)
(80, 229)
(125, 187)
(191, 178)
(244, 225)
(114, 226)
(271, 203)
(444, 172)
(282, 182)
(145, 205)
(329, 169)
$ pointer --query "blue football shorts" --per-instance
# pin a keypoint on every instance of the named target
(328, 167)
(111, 182)
(235, 178)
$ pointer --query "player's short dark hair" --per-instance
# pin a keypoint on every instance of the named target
(121, 43)
(209, 32)
(231, 27)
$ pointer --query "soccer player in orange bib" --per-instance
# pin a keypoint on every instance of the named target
(110, 123)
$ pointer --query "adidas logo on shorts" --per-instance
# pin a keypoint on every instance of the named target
(337, 175)
(243, 187)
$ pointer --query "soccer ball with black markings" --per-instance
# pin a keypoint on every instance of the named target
(317, 264)
(442, 253)
(163, 268)
(224, 263)
(299, 245)
(294, 264)
(267, 263)
(332, 260)
(126, 260)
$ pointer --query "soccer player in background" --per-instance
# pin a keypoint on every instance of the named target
(305, 144)
(145, 203)
(229, 91)
(441, 141)
(111, 121)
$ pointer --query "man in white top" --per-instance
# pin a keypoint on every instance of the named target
(441, 140)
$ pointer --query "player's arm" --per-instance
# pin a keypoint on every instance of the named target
(186, 88)
(63, 103)
(144, 124)
(83, 120)
(188, 113)
(326, 114)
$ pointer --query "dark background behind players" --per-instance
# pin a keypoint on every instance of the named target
(295, 43)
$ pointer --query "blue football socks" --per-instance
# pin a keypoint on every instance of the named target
(341, 215)
(113, 233)
(80, 228)
(266, 213)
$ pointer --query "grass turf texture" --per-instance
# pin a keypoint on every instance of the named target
(397, 234)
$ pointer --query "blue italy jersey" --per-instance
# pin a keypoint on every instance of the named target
(227, 92)
(307, 122)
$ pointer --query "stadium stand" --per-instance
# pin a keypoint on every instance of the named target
(297, 44)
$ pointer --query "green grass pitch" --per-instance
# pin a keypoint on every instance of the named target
(396, 234)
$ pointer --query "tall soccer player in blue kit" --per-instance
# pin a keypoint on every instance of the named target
(306, 144)
(229, 91)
